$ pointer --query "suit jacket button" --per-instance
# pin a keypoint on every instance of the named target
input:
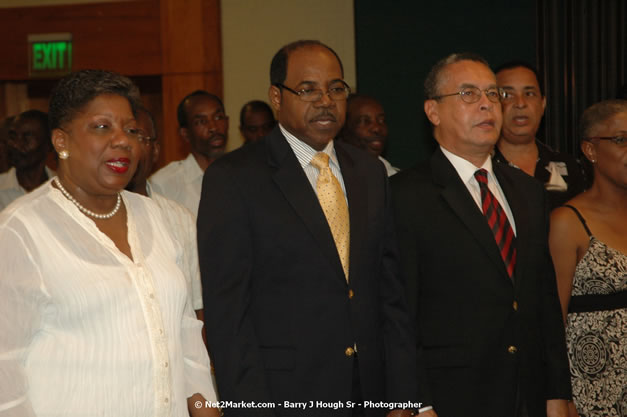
(512, 349)
(351, 294)
(349, 351)
(515, 305)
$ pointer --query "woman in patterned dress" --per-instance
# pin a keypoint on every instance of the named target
(588, 243)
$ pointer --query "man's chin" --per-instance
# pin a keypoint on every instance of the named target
(216, 153)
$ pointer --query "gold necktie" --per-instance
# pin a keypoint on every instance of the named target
(333, 204)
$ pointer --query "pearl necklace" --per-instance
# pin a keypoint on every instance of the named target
(84, 209)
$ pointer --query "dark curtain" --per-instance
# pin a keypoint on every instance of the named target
(581, 52)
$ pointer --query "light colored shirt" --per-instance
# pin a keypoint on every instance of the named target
(10, 188)
(85, 330)
(391, 170)
(305, 153)
(183, 226)
(466, 171)
(180, 181)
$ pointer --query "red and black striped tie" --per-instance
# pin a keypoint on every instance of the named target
(497, 220)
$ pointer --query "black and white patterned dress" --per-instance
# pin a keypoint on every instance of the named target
(596, 331)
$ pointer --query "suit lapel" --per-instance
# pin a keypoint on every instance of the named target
(521, 218)
(463, 205)
(295, 186)
(357, 195)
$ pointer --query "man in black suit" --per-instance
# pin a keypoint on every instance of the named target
(304, 305)
(490, 337)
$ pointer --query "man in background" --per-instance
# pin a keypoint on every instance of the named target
(204, 125)
(366, 127)
(523, 105)
(28, 144)
(180, 220)
(256, 120)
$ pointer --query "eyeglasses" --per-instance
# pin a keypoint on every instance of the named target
(142, 137)
(146, 140)
(618, 140)
(336, 93)
(473, 94)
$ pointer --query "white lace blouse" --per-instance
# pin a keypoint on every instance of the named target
(86, 331)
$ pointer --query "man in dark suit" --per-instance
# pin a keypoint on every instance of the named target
(490, 337)
(304, 305)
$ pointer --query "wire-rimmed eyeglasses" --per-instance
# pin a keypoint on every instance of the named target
(619, 140)
(473, 94)
(337, 92)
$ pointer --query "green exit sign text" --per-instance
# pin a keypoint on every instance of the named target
(50, 55)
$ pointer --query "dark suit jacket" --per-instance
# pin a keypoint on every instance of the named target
(277, 308)
(480, 336)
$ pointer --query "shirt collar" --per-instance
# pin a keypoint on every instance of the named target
(466, 169)
(305, 153)
(148, 188)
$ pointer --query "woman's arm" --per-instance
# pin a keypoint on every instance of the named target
(21, 301)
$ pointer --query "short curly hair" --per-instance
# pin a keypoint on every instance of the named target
(75, 90)
(598, 114)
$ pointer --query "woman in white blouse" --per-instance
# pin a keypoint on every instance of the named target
(94, 318)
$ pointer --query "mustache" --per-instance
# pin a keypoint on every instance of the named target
(217, 136)
(324, 115)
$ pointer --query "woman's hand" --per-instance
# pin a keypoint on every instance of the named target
(203, 411)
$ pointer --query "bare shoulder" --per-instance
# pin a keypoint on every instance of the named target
(566, 225)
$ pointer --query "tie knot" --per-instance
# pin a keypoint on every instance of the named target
(482, 176)
(320, 161)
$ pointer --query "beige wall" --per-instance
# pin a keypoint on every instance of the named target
(252, 32)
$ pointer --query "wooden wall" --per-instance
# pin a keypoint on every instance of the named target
(169, 47)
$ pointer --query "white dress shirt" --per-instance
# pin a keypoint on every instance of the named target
(389, 168)
(466, 171)
(305, 153)
(180, 181)
(10, 188)
(183, 227)
(85, 330)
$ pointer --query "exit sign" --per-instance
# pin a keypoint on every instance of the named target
(49, 54)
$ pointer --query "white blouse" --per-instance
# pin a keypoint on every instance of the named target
(86, 331)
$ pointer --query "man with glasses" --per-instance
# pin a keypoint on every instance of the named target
(180, 220)
(474, 254)
(304, 306)
(256, 120)
(523, 106)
